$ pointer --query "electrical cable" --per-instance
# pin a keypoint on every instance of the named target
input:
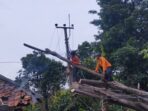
(11, 62)
(52, 37)
(58, 42)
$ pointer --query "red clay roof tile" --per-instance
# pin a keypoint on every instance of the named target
(15, 96)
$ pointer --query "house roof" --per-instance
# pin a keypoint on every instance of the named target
(12, 95)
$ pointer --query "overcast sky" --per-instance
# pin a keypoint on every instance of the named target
(32, 22)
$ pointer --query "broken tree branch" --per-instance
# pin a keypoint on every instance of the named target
(48, 51)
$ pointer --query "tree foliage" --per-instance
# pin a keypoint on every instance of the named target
(124, 26)
(44, 75)
(66, 101)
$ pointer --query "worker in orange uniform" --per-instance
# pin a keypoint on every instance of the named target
(75, 60)
(103, 63)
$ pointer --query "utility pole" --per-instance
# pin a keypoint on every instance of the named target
(65, 28)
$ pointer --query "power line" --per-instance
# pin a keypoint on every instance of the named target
(12, 62)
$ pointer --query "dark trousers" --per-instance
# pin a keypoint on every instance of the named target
(75, 74)
(108, 74)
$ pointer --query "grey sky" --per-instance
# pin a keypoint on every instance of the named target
(32, 22)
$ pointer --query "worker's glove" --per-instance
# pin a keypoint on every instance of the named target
(96, 71)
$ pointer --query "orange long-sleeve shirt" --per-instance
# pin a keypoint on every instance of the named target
(75, 60)
(102, 62)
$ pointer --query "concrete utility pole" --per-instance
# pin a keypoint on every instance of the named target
(65, 28)
(66, 37)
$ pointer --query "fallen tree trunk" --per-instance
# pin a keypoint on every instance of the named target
(120, 86)
(100, 92)
(92, 82)
(115, 85)
(93, 90)
(48, 51)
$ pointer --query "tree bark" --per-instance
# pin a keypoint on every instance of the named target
(92, 82)
(120, 86)
(115, 85)
(101, 93)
